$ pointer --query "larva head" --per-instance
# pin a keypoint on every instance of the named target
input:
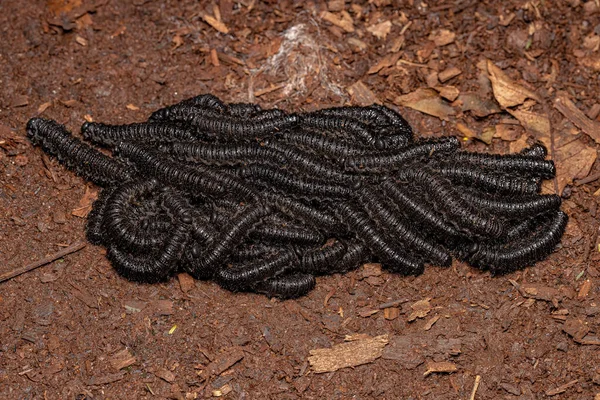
(35, 128)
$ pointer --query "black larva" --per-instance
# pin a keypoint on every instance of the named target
(265, 200)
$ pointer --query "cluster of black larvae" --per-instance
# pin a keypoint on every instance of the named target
(264, 200)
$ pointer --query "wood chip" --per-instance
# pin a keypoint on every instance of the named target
(132, 107)
(122, 359)
(19, 101)
(81, 41)
(162, 307)
(165, 375)
(391, 313)
(85, 203)
(427, 101)
(506, 91)
(43, 107)
(449, 93)
(420, 309)
(584, 290)
(448, 74)
(214, 58)
(349, 354)
(223, 362)
(561, 389)
(366, 312)
(381, 30)
(431, 322)
(186, 282)
(576, 328)
(440, 367)
(216, 24)
(370, 269)
(362, 95)
(357, 45)
(442, 37)
(342, 20)
(222, 391)
(105, 379)
(563, 103)
(134, 306)
(385, 62)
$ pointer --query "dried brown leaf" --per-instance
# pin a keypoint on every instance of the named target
(518, 145)
(475, 104)
(349, 354)
(567, 108)
(508, 132)
(427, 101)
(506, 91)
(573, 161)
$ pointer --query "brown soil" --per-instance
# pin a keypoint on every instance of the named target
(75, 329)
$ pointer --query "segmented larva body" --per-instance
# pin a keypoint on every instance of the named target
(265, 200)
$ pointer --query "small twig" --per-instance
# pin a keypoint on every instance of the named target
(475, 387)
(587, 179)
(21, 270)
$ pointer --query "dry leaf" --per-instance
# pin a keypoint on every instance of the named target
(475, 104)
(132, 107)
(567, 108)
(442, 37)
(444, 366)
(85, 204)
(538, 124)
(518, 145)
(506, 91)
(427, 101)
(508, 132)
(420, 309)
(573, 161)
(362, 95)
(380, 30)
(349, 354)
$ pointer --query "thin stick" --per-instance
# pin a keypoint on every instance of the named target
(21, 270)
(475, 387)
(588, 179)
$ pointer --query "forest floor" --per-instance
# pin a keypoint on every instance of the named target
(500, 75)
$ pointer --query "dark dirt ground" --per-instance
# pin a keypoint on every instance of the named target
(74, 329)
